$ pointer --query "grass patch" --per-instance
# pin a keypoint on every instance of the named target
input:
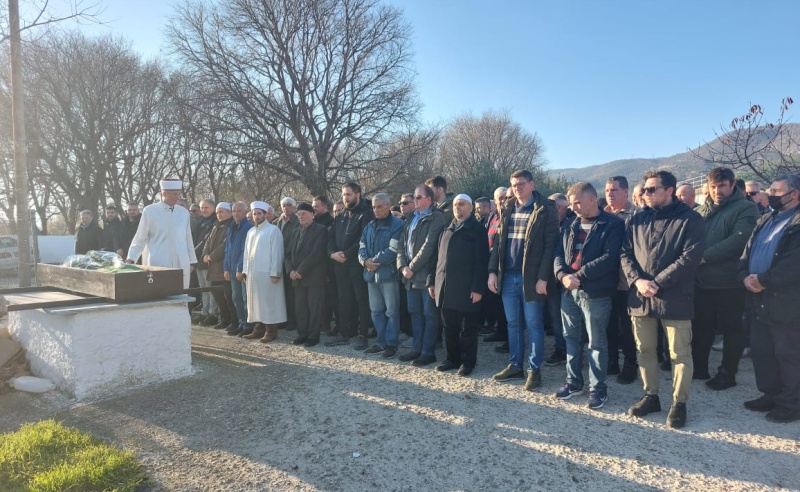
(46, 456)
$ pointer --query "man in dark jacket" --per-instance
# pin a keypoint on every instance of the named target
(587, 266)
(323, 217)
(770, 271)
(213, 255)
(209, 314)
(441, 198)
(112, 231)
(663, 248)
(130, 224)
(377, 252)
(343, 239)
(415, 261)
(89, 235)
(306, 262)
(233, 265)
(719, 297)
(458, 285)
(520, 267)
(287, 223)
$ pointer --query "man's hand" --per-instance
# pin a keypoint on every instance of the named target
(207, 258)
(226, 276)
(338, 257)
(752, 284)
(240, 276)
(371, 266)
(541, 287)
(407, 273)
(570, 282)
(492, 283)
(476, 298)
(432, 292)
(646, 288)
(294, 275)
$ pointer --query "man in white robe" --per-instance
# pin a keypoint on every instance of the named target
(263, 275)
(164, 236)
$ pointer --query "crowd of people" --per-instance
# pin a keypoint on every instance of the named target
(651, 275)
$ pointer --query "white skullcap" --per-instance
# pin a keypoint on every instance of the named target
(171, 184)
(464, 197)
(224, 205)
(259, 204)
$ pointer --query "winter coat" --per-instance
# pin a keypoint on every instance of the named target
(287, 228)
(89, 238)
(199, 236)
(308, 255)
(447, 207)
(664, 245)
(214, 247)
(112, 235)
(325, 219)
(234, 247)
(380, 243)
(129, 228)
(424, 239)
(461, 266)
(779, 302)
(345, 233)
(599, 271)
(541, 236)
(728, 227)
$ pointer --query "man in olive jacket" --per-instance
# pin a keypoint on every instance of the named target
(663, 248)
(459, 284)
(213, 256)
(520, 267)
(719, 297)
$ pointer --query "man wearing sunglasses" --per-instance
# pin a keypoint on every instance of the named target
(662, 250)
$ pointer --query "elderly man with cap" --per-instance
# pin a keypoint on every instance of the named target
(164, 237)
(263, 275)
(213, 256)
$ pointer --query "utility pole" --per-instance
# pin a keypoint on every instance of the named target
(20, 149)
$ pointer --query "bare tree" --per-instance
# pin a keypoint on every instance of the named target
(758, 147)
(310, 89)
(44, 13)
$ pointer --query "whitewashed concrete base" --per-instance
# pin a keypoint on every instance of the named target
(97, 350)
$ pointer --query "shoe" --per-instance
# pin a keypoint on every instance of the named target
(464, 371)
(722, 381)
(234, 333)
(701, 375)
(232, 327)
(389, 352)
(496, 337)
(534, 380)
(338, 340)
(486, 330)
(558, 358)
(270, 335)
(677, 416)
(666, 365)
(717, 347)
(424, 360)
(628, 374)
(209, 321)
(311, 342)
(502, 348)
(783, 415)
(197, 318)
(299, 340)
(761, 404)
(243, 333)
(259, 331)
(510, 372)
(613, 368)
(408, 356)
(567, 391)
(361, 343)
(647, 405)
(597, 399)
(746, 352)
(221, 325)
(446, 366)
(374, 350)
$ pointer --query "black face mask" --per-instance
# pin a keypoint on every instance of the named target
(776, 202)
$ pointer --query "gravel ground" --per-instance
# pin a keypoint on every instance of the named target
(287, 418)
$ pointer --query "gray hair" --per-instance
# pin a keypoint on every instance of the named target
(382, 197)
(501, 190)
(238, 204)
(287, 200)
(87, 212)
(558, 198)
(792, 181)
(208, 201)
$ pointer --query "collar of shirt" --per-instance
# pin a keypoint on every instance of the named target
(417, 213)
(784, 214)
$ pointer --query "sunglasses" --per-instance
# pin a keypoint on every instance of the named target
(752, 193)
(405, 203)
(651, 190)
(419, 197)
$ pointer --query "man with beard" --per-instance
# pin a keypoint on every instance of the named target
(112, 231)
(443, 200)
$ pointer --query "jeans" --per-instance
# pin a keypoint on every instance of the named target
(517, 312)
(384, 302)
(424, 320)
(579, 312)
(239, 294)
(209, 303)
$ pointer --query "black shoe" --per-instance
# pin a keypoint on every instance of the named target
(361, 343)
(389, 352)
(666, 365)
(502, 348)
(761, 404)
(486, 330)
(311, 342)
(701, 375)
(232, 327)
(446, 366)
(677, 416)
(496, 337)
(197, 318)
(628, 374)
(723, 380)
(558, 358)
(647, 405)
(299, 340)
(424, 360)
(236, 332)
(613, 368)
(409, 356)
(209, 321)
(783, 415)
(221, 326)
(464, 371)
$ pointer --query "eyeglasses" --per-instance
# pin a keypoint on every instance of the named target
(651, 190)
(519, 184)
(419, 197)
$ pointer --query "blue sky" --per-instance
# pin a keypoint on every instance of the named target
(597, 80)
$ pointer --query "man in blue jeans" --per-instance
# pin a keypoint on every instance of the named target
(519, 269)
(233, 265)
(587, 266)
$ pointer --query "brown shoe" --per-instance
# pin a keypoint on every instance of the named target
(271, 334)
(258, 331)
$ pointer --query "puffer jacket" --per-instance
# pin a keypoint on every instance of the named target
(424, 239)
(380, 242)
(345, 233)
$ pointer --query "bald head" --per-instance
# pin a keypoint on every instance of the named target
(685, 194)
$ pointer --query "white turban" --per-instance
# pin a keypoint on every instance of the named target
(224, 205)
(171, 184)
(464, 197)
(259, 204)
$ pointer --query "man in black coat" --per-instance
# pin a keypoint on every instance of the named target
(458, 285)
(306, 264)
(130, 224)
(89, 235)
(322, 215)
(662, 250)
(112, 231)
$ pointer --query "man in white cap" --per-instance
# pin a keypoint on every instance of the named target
(263, 275)
(164, 236)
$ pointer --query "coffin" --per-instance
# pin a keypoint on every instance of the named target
(150, 283)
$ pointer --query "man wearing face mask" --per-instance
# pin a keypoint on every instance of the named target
(770, 271)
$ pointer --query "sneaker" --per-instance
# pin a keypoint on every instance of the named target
(408, 356)
(647, 405)
(746, 352)
(677, 416)
(628, 374)
(423, 360)
(718, 346)
(374, 350)
(534, 380)
(361, 343)
(597, 399)
(502, 348)
(558, 358)
(389, 352)
(446, 366)
(338, 340)
(567, 391)
(510, 372)
(722, 381)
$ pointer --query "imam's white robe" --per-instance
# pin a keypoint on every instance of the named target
(263, 258)
(164, 238)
